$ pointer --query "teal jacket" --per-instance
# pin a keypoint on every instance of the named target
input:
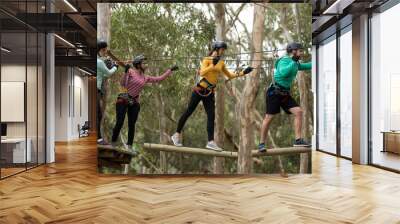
(286, 70)
(103, 72)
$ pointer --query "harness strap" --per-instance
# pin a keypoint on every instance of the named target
(201, 91)
(209, 85)
(278, 90)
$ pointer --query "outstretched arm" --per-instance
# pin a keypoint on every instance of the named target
(103, 68)
(229, 74)
(237, 74)
(156, 79)
(305, 66)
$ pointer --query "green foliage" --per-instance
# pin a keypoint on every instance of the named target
(181, 34)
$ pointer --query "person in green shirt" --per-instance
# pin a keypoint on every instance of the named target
(278, 94)
(102, 73)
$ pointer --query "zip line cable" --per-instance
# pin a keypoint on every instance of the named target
(234, 60)
(251, 52)
(165, 58)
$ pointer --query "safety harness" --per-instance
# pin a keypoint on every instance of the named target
(200, 83)
(276, 89)
(124, 97)
(204, 91)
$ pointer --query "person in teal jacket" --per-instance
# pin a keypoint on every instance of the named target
(102, 73)
(278, 94)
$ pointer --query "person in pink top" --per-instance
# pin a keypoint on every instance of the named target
(134, 81)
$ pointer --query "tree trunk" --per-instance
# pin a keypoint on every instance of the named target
(283, 24)
(162, 120)
(103, 33)
(104, 21)
(302, 84)
(249, 94)
(304, 102)
(220, 94)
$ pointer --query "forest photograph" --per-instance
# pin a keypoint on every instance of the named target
(216, 88)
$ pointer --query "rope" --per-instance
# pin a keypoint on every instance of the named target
(166, 58)
(189, 59)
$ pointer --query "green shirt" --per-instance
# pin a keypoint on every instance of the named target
(103, 72)
(286, 70)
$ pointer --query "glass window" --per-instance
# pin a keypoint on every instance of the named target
(22, 90)
(326, 77)
(385, 84)
(346, 93)
(15, 151)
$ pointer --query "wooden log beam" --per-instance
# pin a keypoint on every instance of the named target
(208, 152)
(187, 150)
(109, 156)
(281, 151)
(109, 148)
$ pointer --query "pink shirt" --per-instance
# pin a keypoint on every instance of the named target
(134, 81)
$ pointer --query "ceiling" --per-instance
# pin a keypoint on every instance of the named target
(330, 13)
(74, 22)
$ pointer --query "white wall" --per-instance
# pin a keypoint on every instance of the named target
(61, 103)
(80, 110)
(33, 127)
(71, 102)
(12, 73)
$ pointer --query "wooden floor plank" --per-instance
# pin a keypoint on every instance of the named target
(71, 191)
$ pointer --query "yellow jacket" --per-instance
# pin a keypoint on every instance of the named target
(210, 71)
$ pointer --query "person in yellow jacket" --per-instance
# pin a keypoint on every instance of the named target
(211, 67)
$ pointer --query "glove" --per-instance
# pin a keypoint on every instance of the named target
(247, 70)
(109, 63)
(175, 67)
(295, 58)
(216, 60)
(127, 67)
(115, 65)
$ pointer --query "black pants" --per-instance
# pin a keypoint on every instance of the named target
(275, 100)
(133, 113)
(99, 112)
(209, 106)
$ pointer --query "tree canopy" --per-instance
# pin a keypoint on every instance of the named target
(181, 34)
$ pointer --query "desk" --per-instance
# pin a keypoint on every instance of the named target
(13, 150)
(391, 141)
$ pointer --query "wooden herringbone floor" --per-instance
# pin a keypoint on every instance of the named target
(70, 191)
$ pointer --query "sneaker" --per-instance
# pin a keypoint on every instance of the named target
(176, 140)
(212, 145)
(262, 148)
(102, 142)
(301, 143)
